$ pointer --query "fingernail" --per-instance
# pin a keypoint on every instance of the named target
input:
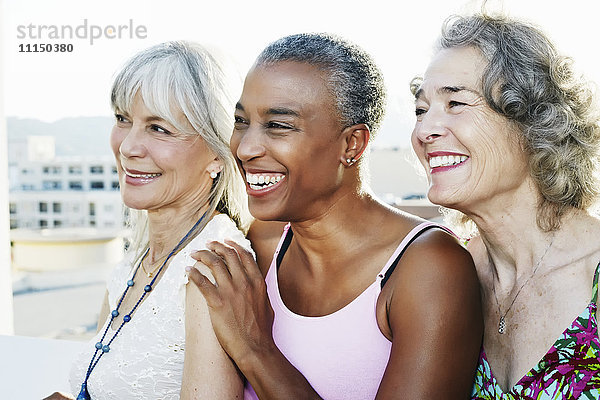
(188, 268)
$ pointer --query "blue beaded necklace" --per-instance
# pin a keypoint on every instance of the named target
(102, 348)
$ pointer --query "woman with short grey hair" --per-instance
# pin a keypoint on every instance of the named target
(353, 299)
(509, 135)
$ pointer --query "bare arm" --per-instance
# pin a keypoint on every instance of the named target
(435, 317)
(208, 372)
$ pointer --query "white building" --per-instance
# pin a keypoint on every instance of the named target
(48, 192)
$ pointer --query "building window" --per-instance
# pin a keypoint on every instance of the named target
(75, 169)
(96, 169)
(43, 223)
(57, 208)
(92, 209)
(114, 170)
(43, 207)
(52, 185)
(75, 185)
(96, 185)
(13, 224)
(115, 185)
(46, 170)
(27, 186)
(56, 170)
(12, 208)
(92, 222)
(57, 223)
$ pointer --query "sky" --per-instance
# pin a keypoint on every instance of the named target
(399, 35)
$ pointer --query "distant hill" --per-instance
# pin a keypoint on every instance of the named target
(81, 136)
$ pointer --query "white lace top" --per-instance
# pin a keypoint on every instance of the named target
(145, 360)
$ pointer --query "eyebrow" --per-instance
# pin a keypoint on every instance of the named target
(282, 111)
(454, 89)
(273, 110)
(154, 118)
(447, 90)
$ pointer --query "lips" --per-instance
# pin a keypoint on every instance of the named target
(260, 183)
(447, 160)
(135, 177)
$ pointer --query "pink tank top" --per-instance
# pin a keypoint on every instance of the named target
(343, 355)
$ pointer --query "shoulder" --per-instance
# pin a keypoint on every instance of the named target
(264, 237)
(219, 228)
(437, 255)
(436, 274)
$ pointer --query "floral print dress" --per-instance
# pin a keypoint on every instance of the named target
(569, 370)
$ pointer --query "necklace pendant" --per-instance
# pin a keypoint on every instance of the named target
(83, 394)
(502, 326)
(149, 274)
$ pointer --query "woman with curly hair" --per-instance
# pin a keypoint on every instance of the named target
(509, 136)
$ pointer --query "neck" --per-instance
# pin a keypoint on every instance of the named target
(167, 227)
(336, 230)
(511, 245)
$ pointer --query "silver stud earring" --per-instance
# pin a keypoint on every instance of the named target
(213, 174)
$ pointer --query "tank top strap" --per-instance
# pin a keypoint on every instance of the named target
(387, 270)
(281, 246)
(595, 285)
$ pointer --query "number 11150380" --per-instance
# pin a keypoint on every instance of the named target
(45, 48)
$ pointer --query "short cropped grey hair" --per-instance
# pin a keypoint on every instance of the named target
(528, 82)
(355, 81)
(184, 76)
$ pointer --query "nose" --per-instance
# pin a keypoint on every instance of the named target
(131, 142)
(430, 126)
(248, 144)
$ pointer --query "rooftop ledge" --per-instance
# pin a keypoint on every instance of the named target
(65, 234)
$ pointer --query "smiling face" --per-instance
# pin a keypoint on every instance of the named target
(471, 154)
(287, 142)
(160, 167)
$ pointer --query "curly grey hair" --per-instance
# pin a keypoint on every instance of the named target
(184, 76)
(528, 82)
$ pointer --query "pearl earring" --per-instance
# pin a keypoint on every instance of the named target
(213, 174)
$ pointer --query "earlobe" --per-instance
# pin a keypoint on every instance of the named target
(214, 168)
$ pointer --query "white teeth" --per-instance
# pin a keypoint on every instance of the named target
(445, 161)
(262, 181)
(145, 176)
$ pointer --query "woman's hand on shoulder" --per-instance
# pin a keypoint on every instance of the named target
(237, 299)
(435, 316)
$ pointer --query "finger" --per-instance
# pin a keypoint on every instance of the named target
(231, 258)
(208, 290)
(247, 260)
(215, 264)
